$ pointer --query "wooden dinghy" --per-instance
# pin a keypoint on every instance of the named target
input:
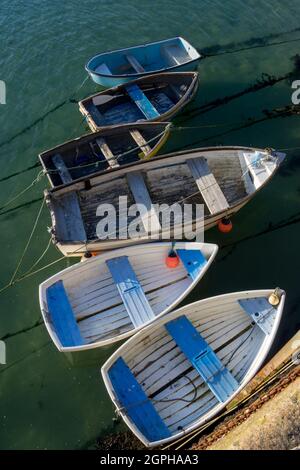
(223, 179)
(120, 66)
(111, 148)
(178, 373)
(111, 296)
(153, 98)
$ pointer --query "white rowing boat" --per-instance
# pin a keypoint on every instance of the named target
(178, 373)
(113, 295)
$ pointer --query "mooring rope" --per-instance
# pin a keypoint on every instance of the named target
(23, 191)
(12, 281)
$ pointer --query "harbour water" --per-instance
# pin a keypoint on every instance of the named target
(49, 400)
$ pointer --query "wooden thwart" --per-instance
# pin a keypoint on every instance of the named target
(111, 159)
(135, 63)
(207, 184)
(141, 196)
(139, 139)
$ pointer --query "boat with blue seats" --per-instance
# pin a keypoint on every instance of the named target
(111, 296)
(120, 66)
(152, 98)
(113, 147)
(220, 180)
(181, 371)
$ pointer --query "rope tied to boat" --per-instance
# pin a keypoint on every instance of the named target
(123, 409)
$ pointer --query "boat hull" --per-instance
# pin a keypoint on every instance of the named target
(109, 82)
(78, 249)
(168, 115)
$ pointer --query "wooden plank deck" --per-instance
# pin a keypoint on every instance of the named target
(207, 184)
(141, 195)
(110, 157)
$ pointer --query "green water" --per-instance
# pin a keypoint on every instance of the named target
(48, 400)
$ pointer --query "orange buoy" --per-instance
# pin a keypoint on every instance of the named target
(172, 260)
(225, 225)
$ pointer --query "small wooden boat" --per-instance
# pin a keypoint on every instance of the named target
(222, 179)
(111, 296)
(177, 374)
(93, 153)
(116, 67)
(153, 98)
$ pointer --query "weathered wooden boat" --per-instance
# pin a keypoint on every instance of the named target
(153, 98)
(222, 179)
(120, 66)
(177, 374)
(113, 295)
(93, 153)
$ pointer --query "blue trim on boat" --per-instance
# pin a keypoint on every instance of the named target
(138, 407)
(220, 381)
(142, 101)
(130, 290)
(62, 316)
(193, 261)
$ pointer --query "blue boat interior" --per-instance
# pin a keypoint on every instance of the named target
(84, 156)
(136, 103)
(136, 404)
(202, 357)
(62, 317)
(140, 59)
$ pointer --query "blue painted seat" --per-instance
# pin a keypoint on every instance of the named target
(260, 311)
(130, 290)
(220, 381)
(95, 114)
(142, 101)
(193, 261)
(137, 405)
(62, 316)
